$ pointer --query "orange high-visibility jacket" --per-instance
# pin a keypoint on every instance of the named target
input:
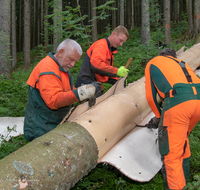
(54, 84)
(98, 63)
(161, 73)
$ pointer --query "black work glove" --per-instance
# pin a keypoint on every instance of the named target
(125, 83)
(92, 101)
(153, 123)
(97, 86)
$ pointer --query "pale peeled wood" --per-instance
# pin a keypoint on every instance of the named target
(192, 56)
(116, 116)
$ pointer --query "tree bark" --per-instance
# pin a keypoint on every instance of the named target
(5, 15)
(46, 26)
(14, 44)
(57, 37)
(20, 39)
(94, 22)
(145, 22)
(196, 17)
(41, 22)
(132, 14)
(27, 49)
(167, 23)
(57, 160)
(128, 11)
(38, 22)
(114, 21)
(190, 24)
(33, 27)
(176, 11)
(121, 12)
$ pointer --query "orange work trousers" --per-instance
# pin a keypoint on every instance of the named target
(176, 124)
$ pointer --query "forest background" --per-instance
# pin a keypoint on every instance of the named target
(31, 28)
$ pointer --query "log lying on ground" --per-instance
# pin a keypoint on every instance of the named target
(56, 160)
(60, 158)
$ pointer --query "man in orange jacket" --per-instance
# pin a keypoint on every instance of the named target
(98, 62)
(179, 88)
(52, 92)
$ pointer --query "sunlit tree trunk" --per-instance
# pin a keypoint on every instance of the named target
(145, 22)
(167, 23)
(121, 12)
(27, 60)
(14, 47)
(196, 17)
(5, 15)
(94, 22)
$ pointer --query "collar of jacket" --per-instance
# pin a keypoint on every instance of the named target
(51, 54)
(112, 49)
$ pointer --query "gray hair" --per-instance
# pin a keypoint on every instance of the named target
(70, 45)
(168, 51)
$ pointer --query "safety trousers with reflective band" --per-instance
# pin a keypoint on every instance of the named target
(179, 116)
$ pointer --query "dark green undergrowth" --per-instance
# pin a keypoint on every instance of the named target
(14, 93)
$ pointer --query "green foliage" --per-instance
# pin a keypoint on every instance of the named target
(101, 11)
(12, 145)
(70, 22)
(195, 184)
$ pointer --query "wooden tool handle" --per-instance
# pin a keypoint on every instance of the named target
(128, 63)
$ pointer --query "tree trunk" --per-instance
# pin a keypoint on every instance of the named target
(196, 17)
(57, 37)
(14, 45)
(128, 11)
(114, 17)
(27, 59)
(132, 15)
(33, 27)
(46, 26)
(94, 22)
(5, 15)
(167, 23)
(175, 11)
(41, 22)
(57, 160)
(20, 39)
(122, 12)
(38, 22)
(190, 24)
(145, 22)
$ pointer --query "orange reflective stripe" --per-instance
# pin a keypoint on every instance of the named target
(170, 94)
(194, 90)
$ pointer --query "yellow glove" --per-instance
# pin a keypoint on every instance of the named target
(122, 71)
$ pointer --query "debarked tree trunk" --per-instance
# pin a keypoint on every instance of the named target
(57, 160)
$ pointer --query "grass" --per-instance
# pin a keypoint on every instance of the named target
(14, 93)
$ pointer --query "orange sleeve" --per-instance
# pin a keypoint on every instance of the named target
(100, 60)
(51, 90)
